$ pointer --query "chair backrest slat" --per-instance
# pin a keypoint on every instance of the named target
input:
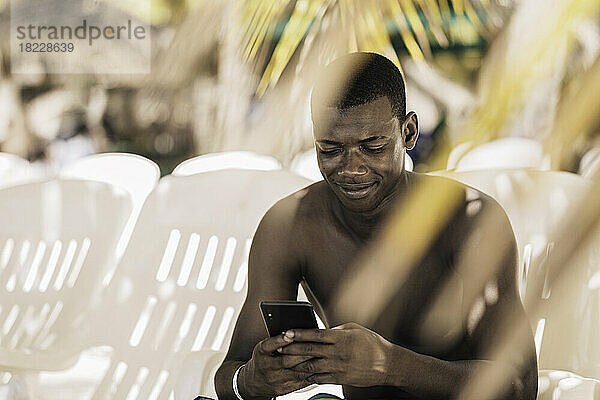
(57, 240)
(181, 282)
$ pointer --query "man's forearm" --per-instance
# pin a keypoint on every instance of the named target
(224, 382)
(430, 377)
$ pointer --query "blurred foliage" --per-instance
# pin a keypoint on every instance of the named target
(506, 83)
(202, 46)
(421, 25)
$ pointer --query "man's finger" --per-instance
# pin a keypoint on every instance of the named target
(322, 378)
(315, 366)
(348, 325)
(314, 335)
(307, 349)
(269, 345)
(286, 361)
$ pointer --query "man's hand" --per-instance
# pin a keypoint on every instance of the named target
(348, 354)
(269, 373)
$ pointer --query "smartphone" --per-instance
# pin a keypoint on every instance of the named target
(280, 316)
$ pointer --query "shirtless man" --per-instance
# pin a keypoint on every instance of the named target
(313, 238)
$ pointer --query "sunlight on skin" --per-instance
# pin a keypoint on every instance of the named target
(488, 382)
(382, 272)
(480, 260)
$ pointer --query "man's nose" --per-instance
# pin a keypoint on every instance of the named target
(353, 167)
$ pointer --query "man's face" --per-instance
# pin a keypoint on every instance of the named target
(360, 151)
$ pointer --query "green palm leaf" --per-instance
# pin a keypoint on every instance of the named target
(305, 12)
(419, 24)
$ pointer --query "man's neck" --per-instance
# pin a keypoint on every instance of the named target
(364, 224)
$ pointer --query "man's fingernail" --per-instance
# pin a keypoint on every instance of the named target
(279, 350)
(289, 335)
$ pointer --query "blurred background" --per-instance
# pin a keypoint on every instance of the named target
(507, 97)
(236, 75)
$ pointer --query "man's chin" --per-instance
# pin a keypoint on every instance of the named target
(363, 205)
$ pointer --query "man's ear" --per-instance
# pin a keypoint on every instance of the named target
(410, 130)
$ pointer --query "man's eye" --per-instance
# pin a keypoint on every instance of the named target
(331, 151)
(374, 149)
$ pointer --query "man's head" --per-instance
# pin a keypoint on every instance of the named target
(361, 131)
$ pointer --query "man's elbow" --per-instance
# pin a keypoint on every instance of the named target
(222, 379)
(523, 389)
(509, 383)
(527, 385)
(523, 386)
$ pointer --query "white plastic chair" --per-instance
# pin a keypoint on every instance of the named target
(15, 170)
(509, 152)
(305, 164)
(589, 166)
(57, 239)
(131, 172)
(180, 284)
(563, 385)
(537, 203)
(226, 160)
(134, 173)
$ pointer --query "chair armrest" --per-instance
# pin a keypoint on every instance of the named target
(196, 374)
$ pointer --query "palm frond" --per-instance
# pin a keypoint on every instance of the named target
(410, 12)
(368, 26)
(372, 35)
(261, 20)
(407, 37)
(305, 13)
(348, 14)
(578, 113)
(508, 81)
(433, 15)
(475, 19)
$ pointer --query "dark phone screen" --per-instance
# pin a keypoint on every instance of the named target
(280, 316)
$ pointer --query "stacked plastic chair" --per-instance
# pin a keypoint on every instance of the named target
(537, 203)
(15, 170)
(57, 240)
(226, 160)
(564, 385)
(178, 289)
(508, 152)
(131, 172)
(304, 165)
(589, 166)
(72, 229)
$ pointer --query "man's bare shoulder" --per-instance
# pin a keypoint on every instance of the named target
(286, 229)
(301, 206)
(476, 211)
(292, 217)
(472, 198)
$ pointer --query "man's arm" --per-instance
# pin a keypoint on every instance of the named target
(504, 364)
(273, 274)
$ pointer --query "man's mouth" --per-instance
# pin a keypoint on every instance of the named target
(356, 190)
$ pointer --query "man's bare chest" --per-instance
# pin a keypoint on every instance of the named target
(332, 261)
